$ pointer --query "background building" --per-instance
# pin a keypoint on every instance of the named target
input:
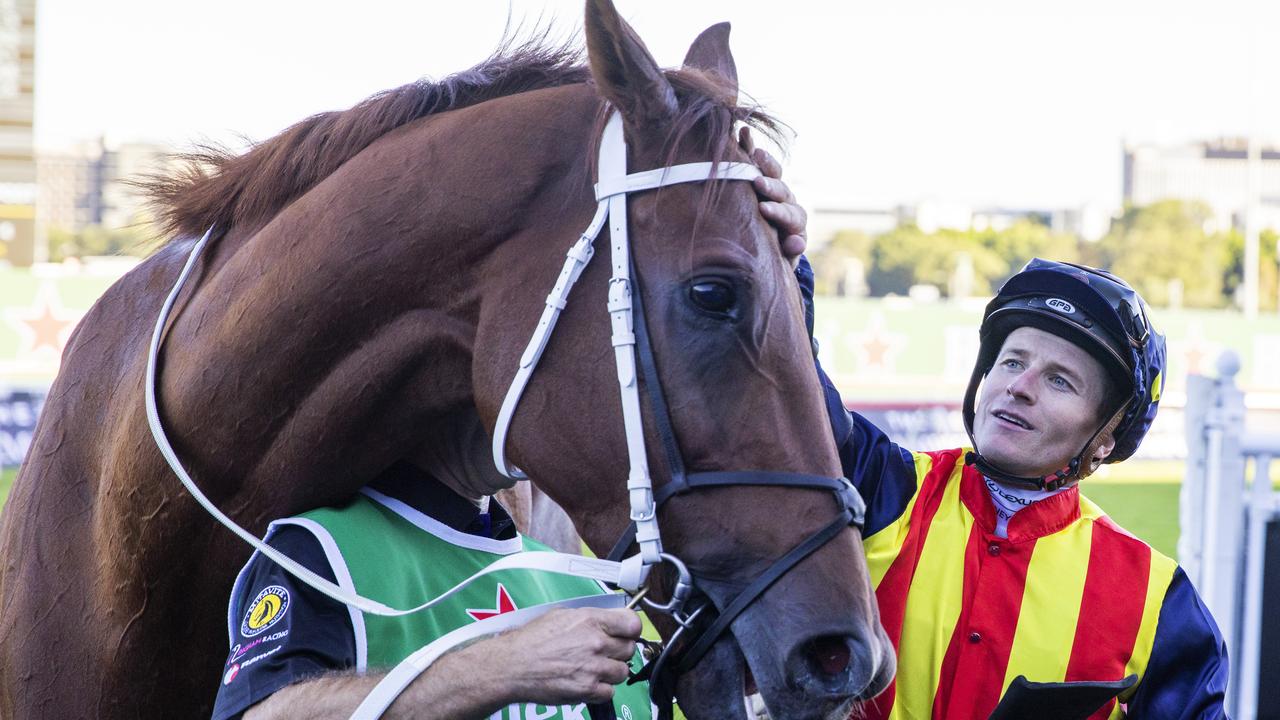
(1087, 222)
(1215, 173)
(17, 148)
(88, 185)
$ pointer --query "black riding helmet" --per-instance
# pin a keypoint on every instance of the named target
(1101, 314)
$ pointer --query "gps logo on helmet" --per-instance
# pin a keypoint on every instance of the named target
(1060, 305)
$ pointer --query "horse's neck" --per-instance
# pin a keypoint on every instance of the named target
(457, 454)
(339, 337)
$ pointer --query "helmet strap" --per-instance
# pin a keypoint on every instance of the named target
(1052, 481)
(1080, 467)
(1088, 464)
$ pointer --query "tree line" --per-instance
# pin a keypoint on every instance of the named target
(1165, 249)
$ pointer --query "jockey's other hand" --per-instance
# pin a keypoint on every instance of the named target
(777, 203)
(570, 656)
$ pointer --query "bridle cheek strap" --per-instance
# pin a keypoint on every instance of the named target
(630, 337)
(677, 658)
(611, 196)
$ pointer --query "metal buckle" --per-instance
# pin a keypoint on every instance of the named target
(679, 596)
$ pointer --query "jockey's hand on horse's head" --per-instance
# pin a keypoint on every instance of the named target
(777, 203)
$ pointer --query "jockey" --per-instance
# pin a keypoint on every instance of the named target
(989, 563)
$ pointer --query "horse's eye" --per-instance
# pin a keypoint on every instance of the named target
(715, 296)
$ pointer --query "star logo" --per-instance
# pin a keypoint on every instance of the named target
(502, 604)
(1195, 351)
(876, 348)
(45, 325)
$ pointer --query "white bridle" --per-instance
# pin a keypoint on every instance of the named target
(611, 196)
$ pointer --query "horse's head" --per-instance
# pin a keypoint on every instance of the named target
(729, 341)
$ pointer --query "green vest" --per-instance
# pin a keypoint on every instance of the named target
(390, 552)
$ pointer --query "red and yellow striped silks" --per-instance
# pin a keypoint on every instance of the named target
(1069, 595)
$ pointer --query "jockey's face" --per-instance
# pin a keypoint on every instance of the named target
(1039, 405)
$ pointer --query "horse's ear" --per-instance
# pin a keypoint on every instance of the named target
(710, 51)
(624, 71)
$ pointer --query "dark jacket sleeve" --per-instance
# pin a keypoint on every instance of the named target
(1186, 677)
(282, 631)
(883, 472)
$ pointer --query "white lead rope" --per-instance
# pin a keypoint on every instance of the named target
(611, 196)
(602, 570)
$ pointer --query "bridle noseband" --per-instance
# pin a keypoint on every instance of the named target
(631, 340)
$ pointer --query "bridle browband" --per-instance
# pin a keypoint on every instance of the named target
(631, 342)
(630, 339)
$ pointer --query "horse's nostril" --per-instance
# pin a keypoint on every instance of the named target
(827, 656)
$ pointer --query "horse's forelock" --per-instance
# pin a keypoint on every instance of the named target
(710, 110)
(710, 103)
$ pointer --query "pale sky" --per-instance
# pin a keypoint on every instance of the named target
(990, 102)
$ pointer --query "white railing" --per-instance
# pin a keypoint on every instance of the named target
(1223, 515)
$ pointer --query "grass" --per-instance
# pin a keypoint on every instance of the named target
(1142, 497)
(1148, 509)
(6, 481)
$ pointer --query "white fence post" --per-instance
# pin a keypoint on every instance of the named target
(1224, 522)
(1262, 508)
(1212, 503)
(1200, 397)
(1219, 502)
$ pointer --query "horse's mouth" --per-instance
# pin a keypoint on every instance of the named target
(716, 688)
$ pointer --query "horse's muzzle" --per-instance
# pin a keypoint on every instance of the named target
(839, 666)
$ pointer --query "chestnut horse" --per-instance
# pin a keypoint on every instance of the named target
(372, 279)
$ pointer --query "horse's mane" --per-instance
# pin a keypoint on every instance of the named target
(216, 187)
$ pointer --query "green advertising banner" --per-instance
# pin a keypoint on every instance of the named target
(39, 307)
(898, 349)
(876, 349)
(902, 362)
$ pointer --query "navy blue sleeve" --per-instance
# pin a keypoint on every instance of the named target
(804, 276)
(883, 472)
(1186, 677)
(284, 631)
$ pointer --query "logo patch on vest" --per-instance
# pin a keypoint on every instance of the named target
(502, 604)
(266, 610)
(1061, 306)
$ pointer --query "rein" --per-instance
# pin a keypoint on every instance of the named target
(675, 659)
(630, 338)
